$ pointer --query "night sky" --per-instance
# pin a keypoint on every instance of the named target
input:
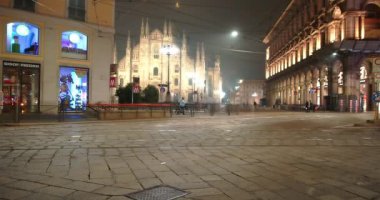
(211, 21)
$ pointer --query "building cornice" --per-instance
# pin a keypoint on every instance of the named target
(266, 38)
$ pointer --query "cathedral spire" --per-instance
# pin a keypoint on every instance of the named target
(142, 28)
(147, 32)
(165, 29)
(203, 55)
(184, 41)
(197, 58)
(129, 41)
(217, 62)
(170, 31)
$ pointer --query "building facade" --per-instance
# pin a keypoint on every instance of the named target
(327, 52)
(54, 53)
(249, 92)
(188, 78)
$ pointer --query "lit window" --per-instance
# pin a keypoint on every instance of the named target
(74, 45)
(22, 38)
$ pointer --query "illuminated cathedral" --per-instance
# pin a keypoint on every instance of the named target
(189, 78)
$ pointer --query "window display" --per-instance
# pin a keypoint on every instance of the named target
(22, 38)
(73, 90)
(74, 45)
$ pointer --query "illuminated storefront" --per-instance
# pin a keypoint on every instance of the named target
(73, 88)
(47, 59)
(20, 84)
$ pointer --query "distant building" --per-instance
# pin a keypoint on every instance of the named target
(327, 52)
(189, 78)
(249, 92)
(55, 52)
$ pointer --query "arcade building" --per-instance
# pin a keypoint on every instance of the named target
(326, 52)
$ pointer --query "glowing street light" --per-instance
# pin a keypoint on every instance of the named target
(234, 34)
(169, 49)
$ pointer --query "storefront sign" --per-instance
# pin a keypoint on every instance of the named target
(20, 64)
(112, 82)
(136, 89)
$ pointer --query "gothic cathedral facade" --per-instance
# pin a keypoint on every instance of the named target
(188, 78)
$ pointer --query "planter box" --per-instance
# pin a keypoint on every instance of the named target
(132, 114)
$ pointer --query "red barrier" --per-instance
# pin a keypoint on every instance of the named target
(133, 105)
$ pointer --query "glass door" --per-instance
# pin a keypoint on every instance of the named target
(10, 83)
(21, 86)
(29, 94)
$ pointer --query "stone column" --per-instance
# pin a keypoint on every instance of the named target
(351, 80)
(322, 86)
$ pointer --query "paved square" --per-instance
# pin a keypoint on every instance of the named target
(280, 155)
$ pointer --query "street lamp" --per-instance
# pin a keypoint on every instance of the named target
(234, 34)
(169, 49)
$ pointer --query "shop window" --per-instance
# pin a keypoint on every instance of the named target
(73, 88)
(155, 71)
(22, 38)
(27, 5)
(77, 10)
(21, 85)
(74, 45)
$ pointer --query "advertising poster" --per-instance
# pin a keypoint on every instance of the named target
(73, 88)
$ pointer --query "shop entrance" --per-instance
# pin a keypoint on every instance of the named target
(21, 87)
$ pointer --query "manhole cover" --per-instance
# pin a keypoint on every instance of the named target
(158, 193)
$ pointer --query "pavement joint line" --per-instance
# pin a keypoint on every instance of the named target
(59, 186)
